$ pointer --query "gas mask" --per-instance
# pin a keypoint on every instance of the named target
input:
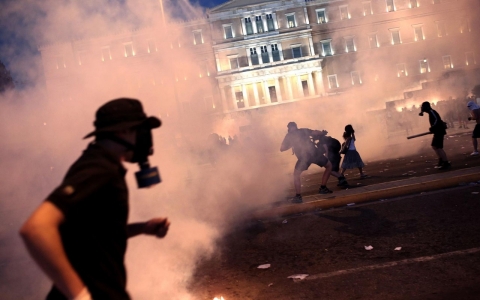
(147, 176)
(143, 147)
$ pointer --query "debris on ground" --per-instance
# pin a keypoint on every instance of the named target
(475, 193)
(265, 266)
(298, 277)
(350, 204)
(398, 248)
(285, 221)
(368, 248)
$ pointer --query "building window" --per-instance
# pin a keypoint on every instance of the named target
(270, 24)
(413, 3)
(233, 62)
(447, 62)
(296, 51)
(239, 99)
(470, 59)
(264, 51)
(367, 8)
(350, 44)
(464, 25)
(254, 56)
(372, 40)
(197, 37)
(152, 47)
(441, 29)
(344, 15)
(259, 23)
(327, 48)
(248, 26)
(424, 67)
(291, 21)
(332, 81)
(227, 31)
(418, 33)
(401, 70)
(60, 63)
(395, 36)
(106, 54)
(275, 52)
(321, 16)
(356, 80)
(390, 5)
(129, 50)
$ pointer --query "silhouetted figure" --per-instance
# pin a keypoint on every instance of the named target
(352, 158)
(438, 128)
(474, 115)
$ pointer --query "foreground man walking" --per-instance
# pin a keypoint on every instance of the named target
(78, 235)
(302, 142)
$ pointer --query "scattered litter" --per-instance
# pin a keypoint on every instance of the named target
(427, 168)
(351, 204)
(368, 247)
(472, 183)
(307, 180)
(358, 183)
(452, 137)
(413, 161)
(270, 284)
(265, 266)
(381, 171)
(285, 221)
(385, 169)
(475, 193)
(298, 277)
(404, 174)
(398, 248)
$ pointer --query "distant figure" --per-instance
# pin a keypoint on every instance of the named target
(459, 110)
(438, 128)
(332, 146)
(302, 142)
(474, 115)
(230, 140)
(352, 158)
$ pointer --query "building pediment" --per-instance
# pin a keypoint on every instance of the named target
(232, 4)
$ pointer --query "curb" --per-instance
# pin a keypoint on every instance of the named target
(335, 201)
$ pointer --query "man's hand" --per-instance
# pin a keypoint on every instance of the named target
(157, 226)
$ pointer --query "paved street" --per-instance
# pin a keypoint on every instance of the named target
(437, 233)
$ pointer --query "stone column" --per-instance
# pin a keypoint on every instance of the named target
(217, 60)
(245, 96)
(319, 83)
(311, 87)
(254, 24)
(280, 50)
(224, 99)
(266, 92)
(255, 94)
(264, 22)
(300, 86)
(275, 21)
(244, 29)
(312, 47)
(306, 15)
(289, 88)
(234, 98)
(278, 90)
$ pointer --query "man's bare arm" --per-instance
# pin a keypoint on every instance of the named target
(156, 226)
(41, 236)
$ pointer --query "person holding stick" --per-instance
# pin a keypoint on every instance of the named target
(438, 128)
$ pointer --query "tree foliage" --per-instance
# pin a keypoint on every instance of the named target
(6, 80)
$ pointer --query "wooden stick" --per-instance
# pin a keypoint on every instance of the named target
(417, 135)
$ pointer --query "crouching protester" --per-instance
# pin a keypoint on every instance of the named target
(302, 142)
(332, 147)
(78, 235)
(438, 128)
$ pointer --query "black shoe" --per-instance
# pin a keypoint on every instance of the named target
(296, 199)
(445, 165)
(324, 190)
(342, 182)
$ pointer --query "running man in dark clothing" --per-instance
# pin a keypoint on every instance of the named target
(437, 127)
(474, 115)
(78, 236)
(304, 147)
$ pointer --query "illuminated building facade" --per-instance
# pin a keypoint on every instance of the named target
(252, 54)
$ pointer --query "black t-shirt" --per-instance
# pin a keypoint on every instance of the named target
(302, 143)
(436, 124)
(332, 144)
(94, 200)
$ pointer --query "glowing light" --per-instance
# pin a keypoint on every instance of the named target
(216, 298)
(44, 124)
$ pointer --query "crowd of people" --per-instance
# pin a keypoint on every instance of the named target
(316, 147)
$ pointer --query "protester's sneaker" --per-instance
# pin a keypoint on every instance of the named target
(439, 165)
(363, 176)
(296, 199)
(474, 153)
(445, 165)
(324, 190)
(342, 182)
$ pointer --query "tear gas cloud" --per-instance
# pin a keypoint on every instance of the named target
(41, 137)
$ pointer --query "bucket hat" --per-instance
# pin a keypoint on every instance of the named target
(121, 114)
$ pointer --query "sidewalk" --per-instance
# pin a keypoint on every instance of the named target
(373, 192)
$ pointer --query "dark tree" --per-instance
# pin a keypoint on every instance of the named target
(476, 90)
(6, 80)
